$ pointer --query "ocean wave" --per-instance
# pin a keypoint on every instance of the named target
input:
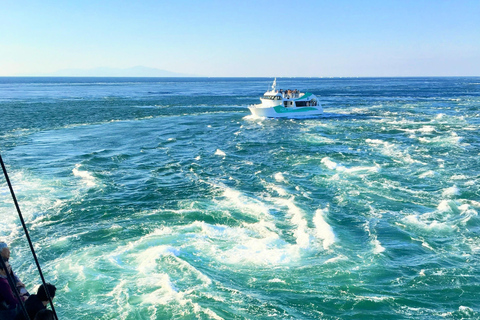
(449, 217)
(353, 170)
(452, 139)
(323, 230)
(86, 177)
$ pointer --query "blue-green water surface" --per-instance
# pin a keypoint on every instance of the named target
(162, 198)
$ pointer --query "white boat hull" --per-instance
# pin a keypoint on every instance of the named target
(287, 104)
(285, 112)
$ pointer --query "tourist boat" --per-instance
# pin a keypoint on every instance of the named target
(287, 104)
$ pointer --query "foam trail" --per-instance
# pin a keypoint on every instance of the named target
(392, 151)
(335, 259)
(246, 204)
(378, 248)
(252, 244)
(85, 176)
(323, 229)
(450, 192)
(377, 245)
(121, 296)
(340, 168)
(302, 236)
(332, 165)
(427, 174)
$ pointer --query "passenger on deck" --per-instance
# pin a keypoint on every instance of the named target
(37, 302)
(5, 253)
(45, 315)
(8, 301)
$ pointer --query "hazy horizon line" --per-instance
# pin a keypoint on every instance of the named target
(279, 77)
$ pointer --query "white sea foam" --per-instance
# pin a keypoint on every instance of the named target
(447, 206)
(374, 298)
(451, 192)
(85, 176)
(466, 311)
(147, 259)
(246, 204)
(323, 230)
(426, 245)
(427, 129)
(39, 200)
(336, 259)
(317, 139)
(427, 174)
(165, 292)
(244, 245)
(159, 276)
(354, 170)
(301, 233)
(332, 165)
(392, 150)
(375, 141)
(276, 280)
(281, 191)
(220, 153)
(474, 203)
(428, 225)
(279, 177)
(121, 295)
(452, 139)
(377, 245)
(378, 248)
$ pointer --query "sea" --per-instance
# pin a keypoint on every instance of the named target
(163, 198)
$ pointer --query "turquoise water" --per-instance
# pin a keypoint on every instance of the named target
(163, 199)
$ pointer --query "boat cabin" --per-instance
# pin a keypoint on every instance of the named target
(290, 98)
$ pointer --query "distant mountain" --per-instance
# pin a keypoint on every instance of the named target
(138, 71)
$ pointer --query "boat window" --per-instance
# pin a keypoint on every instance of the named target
(301, 103)
(306, 103)
(272, 97)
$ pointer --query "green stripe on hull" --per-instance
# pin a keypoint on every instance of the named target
(282, 109)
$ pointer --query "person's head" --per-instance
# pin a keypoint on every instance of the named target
(42, 294)
(4, 251)
(44, 314)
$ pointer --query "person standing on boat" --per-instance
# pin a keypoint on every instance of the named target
(37, 302)
(8, 301)
(45, 314)
(5, 253)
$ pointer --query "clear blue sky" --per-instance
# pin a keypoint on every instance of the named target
(244, 38)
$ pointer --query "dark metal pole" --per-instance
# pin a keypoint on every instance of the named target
(27, 235)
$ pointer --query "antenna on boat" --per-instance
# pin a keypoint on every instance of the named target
(28, 236)
(274, 85)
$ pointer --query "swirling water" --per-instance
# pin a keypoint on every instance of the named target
(163, 199)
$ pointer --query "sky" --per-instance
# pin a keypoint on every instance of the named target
(244, 38)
